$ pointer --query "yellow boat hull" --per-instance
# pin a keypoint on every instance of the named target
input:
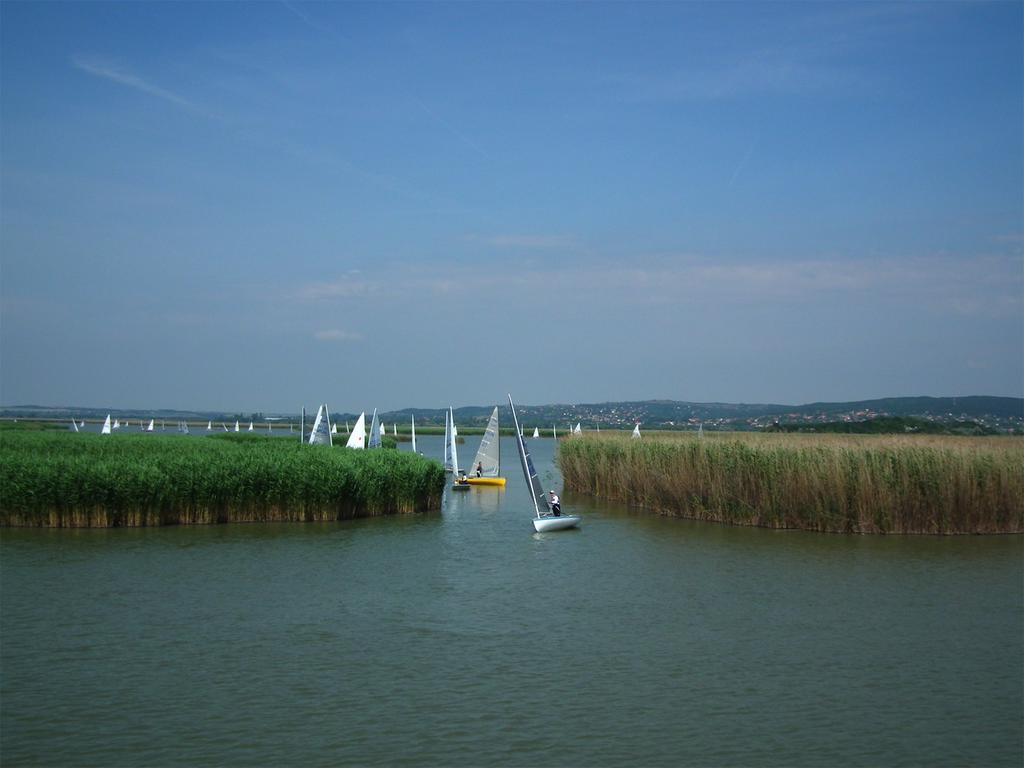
(498, 481)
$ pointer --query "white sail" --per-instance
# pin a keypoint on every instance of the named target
(382, 432)
(636, 431)
(577, 429)
(150, 427)
(209, 426)
(536, 433)
(236, 425)
(396, 430)
(554, 432)
(455, 450)
(375, 433)
(116, 424)
(184, 427)
(106, 426)
(74, 425)
(250, 426)
(82, 424)
(455, 430)
(334, 429)
(358, 437)
(225, 427)
(413, 424)
(448, 442)
(270, 430)
(487, 462)
(321, 434)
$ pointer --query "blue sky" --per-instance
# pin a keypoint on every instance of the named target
(260, 206)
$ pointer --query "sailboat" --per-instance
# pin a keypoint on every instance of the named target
(116, 424)
(321, 434)
(106, 426)
(150, 427)
(334, 429)
(448, 442)
(461, 483)
(577, 429)
(413, 423)
(184, 427)
(357, 438)
(236, 425)
(209, 426)
(636, 431)
(396, 430)
(74, 425)
(250, 426)
(488, 457)
(270, 430)
(547, 521)
(536, 433)
(375, 431)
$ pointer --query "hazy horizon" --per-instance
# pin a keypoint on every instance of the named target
(246, 207)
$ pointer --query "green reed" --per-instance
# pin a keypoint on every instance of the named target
(833, 483)
(76, 480)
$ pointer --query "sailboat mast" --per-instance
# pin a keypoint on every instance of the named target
(302, 425)
(523, 458)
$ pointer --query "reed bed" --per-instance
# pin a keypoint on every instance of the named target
(88, 480)
(835, 483)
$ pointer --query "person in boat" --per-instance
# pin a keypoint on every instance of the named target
(479, 469)
(556, 506)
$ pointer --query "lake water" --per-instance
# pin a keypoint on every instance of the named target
(462, 638)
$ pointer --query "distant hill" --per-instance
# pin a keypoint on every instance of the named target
(999, 413)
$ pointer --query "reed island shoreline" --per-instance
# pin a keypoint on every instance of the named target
(891, 484)
(65, 480)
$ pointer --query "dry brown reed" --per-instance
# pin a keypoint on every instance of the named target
(836, 483)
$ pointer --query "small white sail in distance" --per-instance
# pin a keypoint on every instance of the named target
(150, 427)
(236, 425)
(636, 431)
(396, 430)
(358, 437)
(106, 426)
(413, 424)
(116, 424)
(250, 426)
(209, 426)
(536, 433)
(576, 430)
(74, 425)
(334, 429)
(321, 434)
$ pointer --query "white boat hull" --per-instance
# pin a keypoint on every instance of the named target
(552, 523)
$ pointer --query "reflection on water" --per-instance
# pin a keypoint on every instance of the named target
(464, 638)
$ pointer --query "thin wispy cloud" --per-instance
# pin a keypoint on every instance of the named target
(342, 288)
(117, 74)
(337, 335)
(524, 241)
